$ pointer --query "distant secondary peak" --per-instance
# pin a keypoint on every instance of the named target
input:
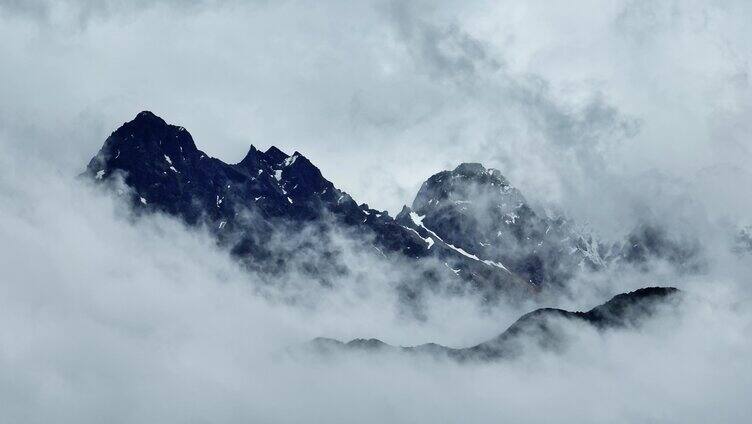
(477, 170)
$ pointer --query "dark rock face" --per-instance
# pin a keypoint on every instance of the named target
(167, 172)
(539, 328)
(264, 194)
(470, 220)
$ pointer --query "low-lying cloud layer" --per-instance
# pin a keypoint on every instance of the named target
(110, 318)
(614, 112)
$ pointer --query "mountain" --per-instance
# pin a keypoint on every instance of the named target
(649, 242)
(540, 328)
(274, 211)
(476, 210)
(266, 194)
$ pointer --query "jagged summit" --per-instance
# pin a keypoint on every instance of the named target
(264, 194)
(470, 219)
(272, 157)
(150, 131)
(469, 168)
(252, 159)
(147, 121)
(473, 169)
(146, 147)
(148, 116)
(477, 210)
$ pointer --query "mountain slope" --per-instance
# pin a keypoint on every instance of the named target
(468, 226)
(477, 210)
(538, 328)
(266, 193)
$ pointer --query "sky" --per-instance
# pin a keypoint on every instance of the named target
(614, 112)
(570, 102)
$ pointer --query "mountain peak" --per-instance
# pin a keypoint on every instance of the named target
(470, 217)
(146, 114)
(466, 181)
(148, 127)
(274, 155)
(148, 117)
(145, 147)
(533, 329)
(252, 158)
(470, 168)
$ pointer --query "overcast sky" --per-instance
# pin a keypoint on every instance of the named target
(572, 102)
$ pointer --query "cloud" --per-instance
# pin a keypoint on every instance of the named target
(110, 317)
(615, 112)
(81, 12)
(570, 104)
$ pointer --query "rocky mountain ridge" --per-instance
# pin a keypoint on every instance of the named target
(470, 219)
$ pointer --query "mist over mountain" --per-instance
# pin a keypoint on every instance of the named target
(470, 219)
(223, 211)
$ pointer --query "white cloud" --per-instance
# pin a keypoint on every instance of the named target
(605, 108)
